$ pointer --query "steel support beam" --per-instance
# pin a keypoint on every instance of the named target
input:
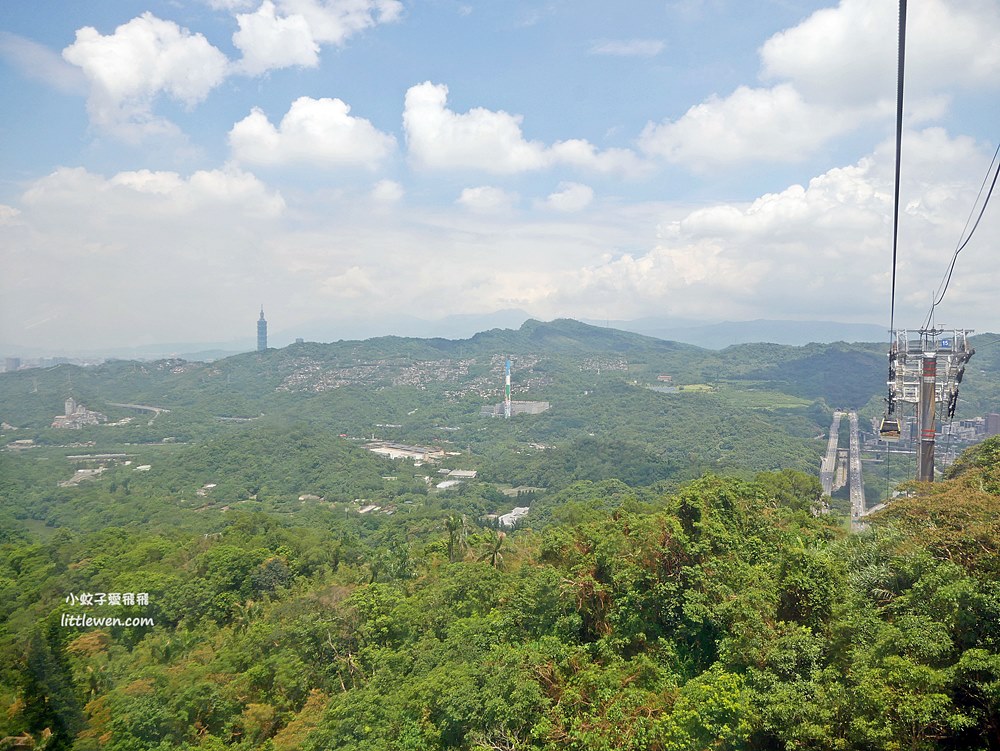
(925, 417)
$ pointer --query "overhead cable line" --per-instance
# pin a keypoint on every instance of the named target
(994, 168)
(900, 65)
(899, 153)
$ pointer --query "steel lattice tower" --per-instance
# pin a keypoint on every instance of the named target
(925, 369)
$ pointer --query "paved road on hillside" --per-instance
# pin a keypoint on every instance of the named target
(828, 467)
(854, 479)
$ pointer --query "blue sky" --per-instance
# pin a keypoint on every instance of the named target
(169, 165)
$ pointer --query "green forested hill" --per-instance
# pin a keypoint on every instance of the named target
(545, 354)
(721, 616)
(432, 391)
(746, 409)
(549, 358)
(840, 374)
(671, 588)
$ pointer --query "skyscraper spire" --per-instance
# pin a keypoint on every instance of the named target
(261, 331)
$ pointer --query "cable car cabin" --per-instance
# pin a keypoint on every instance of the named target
(889, 430)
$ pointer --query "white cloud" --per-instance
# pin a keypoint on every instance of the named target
(584, 155)
(628, 47)
(570, 197)
(857, 43)
(143, 59)
(835, 72)
(206, 248)
(491, 140)
(39, 62)
(480, 138)
(8, 215)
(487, 199)
(149, 57)
(313, 130)
(286, 33)
(268, 42)
(149, 194)
(751, 124)
(231, 5)
(334, 21)
(387, 191)
(355, 283)
(847, 55)
(794, 253)
(105, 252)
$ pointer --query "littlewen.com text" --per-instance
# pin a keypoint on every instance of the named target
(89, 621)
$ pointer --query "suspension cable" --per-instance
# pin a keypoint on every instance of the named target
(943, 287)
(899, 153)
(900, 66)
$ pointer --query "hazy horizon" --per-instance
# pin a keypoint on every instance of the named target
(170, 165)
(707, 334)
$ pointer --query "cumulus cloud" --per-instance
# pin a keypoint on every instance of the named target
(847, 55)
(334, 21)
(149, 57)
(231, 4)
(489, 140)
(480, 138)
(313, 130)
(570, 197)
(833, 73)
(329, 21)
(268, 41)
(218, 240)
(774, 124)
(133, 241)
(784, 253)
(155, 194)
(628, 47)
(584, 155)
(143, 59)
(487, 199)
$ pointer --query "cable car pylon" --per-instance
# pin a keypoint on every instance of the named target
(925, 369)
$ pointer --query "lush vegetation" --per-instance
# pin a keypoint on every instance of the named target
(725, 615)
(674, 585)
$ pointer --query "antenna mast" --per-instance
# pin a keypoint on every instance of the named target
(506, 398)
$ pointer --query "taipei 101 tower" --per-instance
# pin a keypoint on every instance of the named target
(261, 331)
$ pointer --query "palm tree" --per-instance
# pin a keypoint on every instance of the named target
(458, 530)
(492, 548)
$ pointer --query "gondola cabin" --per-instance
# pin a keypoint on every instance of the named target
(889, 430)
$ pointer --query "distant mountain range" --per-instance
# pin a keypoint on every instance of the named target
(686, 331)
(728, 333)
(840, 373)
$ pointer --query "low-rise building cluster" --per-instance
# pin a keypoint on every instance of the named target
(77, 416)
(405, 451)
(311, 375)
(516, 408)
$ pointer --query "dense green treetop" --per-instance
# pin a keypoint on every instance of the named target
(725, 614)
(675, 584)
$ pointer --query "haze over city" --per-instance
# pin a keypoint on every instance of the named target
(168, 166)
